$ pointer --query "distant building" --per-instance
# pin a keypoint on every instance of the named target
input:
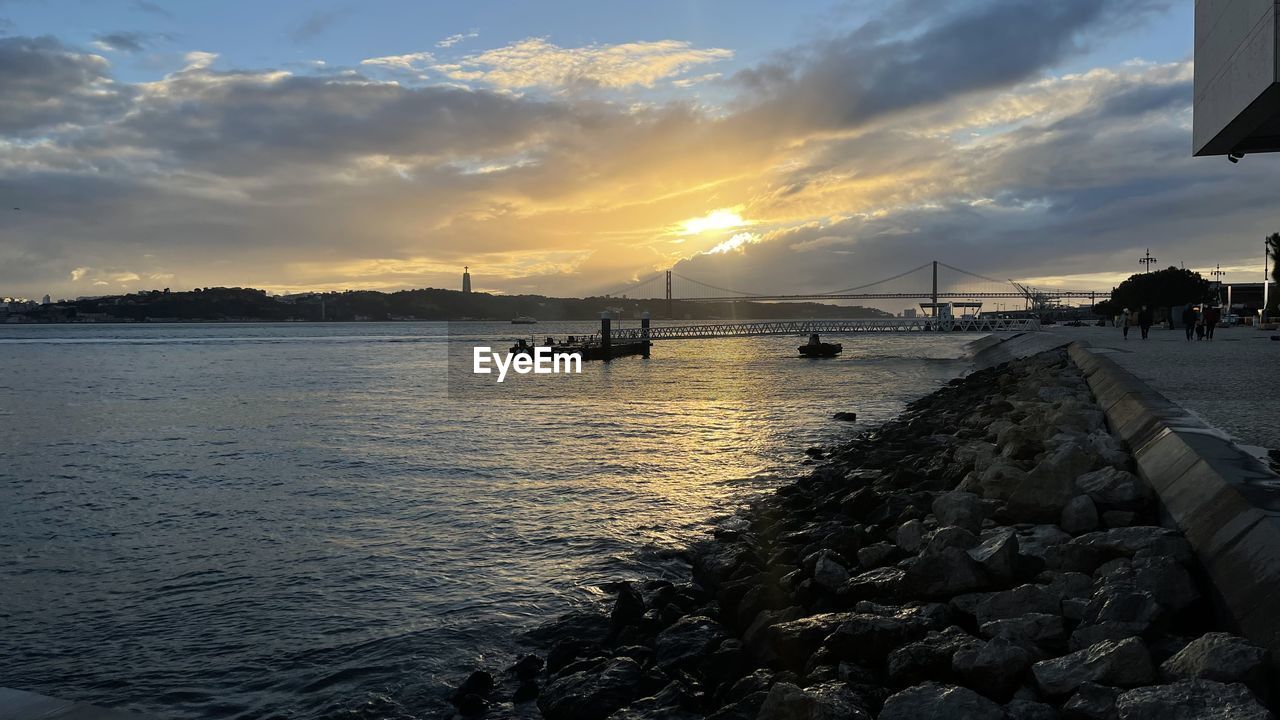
(1236, 106)
(909, 313)
(45, 300)
(466, 279)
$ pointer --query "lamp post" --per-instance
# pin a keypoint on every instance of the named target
(1147, 261)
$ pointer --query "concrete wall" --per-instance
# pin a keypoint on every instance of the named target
(1223, 499)
(1237, 71)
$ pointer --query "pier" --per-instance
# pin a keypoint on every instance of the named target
(808, 327)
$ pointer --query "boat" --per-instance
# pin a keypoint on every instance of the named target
(524, 320)
(816, 348)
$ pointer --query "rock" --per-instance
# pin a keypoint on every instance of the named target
(826, 701)
(528, 667)
(1167, 581)
(951, 536)
(1222, 657)
(860, 502)
(878, 555)
(936, 700)
(1191, 700)
(1032, 629)
(1118, 518)
(867, 639)
(796, 641)
(1016, 602)
(1079, 516)
(1128, 541)
(1089, 635)
(479, 683)
(1036, 540)
(994, 668)
(628, 608)
(929, 658)
(1049, 486)
(1019, 709)
(878, 584)
(1123, 663)
(687, 641)
(999, 480)
(592, 695)
(1110, 487)
(828, 573)
(845, 416)
(1092, 702)
(665, 705)
(909, 536)
(471, 705)
(1136, 611)
(961, 509)
(998, 555)
(943, 575)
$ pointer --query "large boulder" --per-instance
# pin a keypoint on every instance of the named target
(1092, 702)
(1123, 663)
(943, 575)
(826, 701)
(994, 668)
(592, 694)
(961, 509)
(936, 700)
(1110, 487)
(796, 641)
(828, 573)
(1079, 516)
(866, 639)
(1031, 630)
(949, 537)
(1128, 541)
(1191, 700)
(687, 641)
(1015, 602)
(1050, 485)
(998, 555)
(929, 658)
(1219, 656)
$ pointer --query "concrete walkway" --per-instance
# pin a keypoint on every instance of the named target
(22, 705)
(1232, 383)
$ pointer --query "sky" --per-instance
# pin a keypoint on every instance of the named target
(568, 148)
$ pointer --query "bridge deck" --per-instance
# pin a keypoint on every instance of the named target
(806, 327)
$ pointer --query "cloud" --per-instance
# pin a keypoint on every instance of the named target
(409, 62)
(130, 42)
(346, 178)
(455, 39)
(535, 62)
(45, 83)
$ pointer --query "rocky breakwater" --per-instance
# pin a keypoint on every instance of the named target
(986, 556)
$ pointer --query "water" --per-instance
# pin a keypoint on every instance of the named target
(242, 521)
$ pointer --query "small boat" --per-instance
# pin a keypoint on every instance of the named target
(524, 320)
(816, 348)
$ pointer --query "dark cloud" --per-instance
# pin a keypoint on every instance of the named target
(919, 55)
(315, 24)
(124, 41)
(44, 83)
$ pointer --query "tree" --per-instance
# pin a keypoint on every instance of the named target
(1273, 249)
(1161, 289)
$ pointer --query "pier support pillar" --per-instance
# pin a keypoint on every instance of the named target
(606, 340)
(644, 334)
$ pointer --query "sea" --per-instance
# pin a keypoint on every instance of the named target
(323, 520)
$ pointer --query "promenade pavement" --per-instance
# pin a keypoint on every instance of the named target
(1232, 383)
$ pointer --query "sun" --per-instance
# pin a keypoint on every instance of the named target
(722, 219)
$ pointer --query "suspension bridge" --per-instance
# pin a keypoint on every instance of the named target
(937, 282)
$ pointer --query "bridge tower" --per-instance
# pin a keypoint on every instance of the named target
(935, 288)
(670, 313)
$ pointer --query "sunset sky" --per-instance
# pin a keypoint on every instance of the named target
(565, 148)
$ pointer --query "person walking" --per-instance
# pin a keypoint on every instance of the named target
(1145, 320)
(1211, 317)
(1189, 320)
(1125, 322)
